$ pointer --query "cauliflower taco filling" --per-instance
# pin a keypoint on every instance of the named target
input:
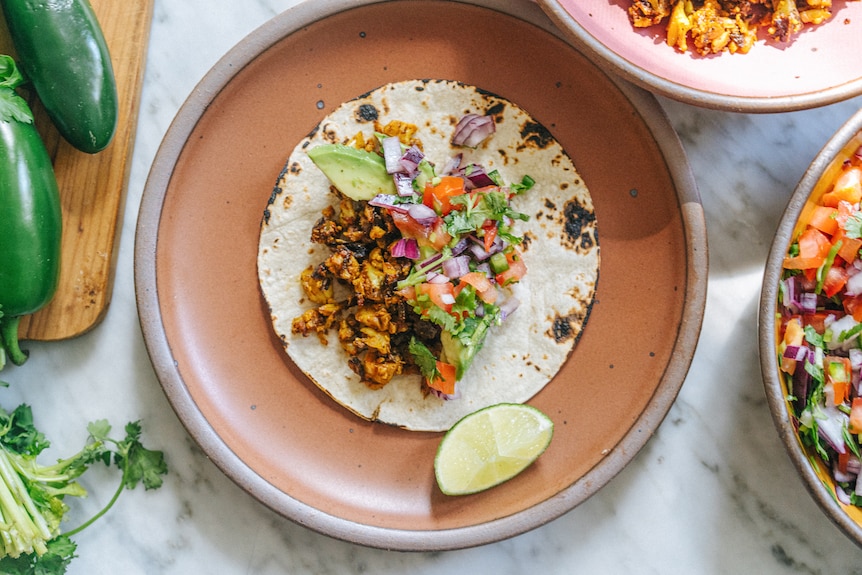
(428, 268)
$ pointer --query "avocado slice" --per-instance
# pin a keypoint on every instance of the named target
(459, 350)
(358, 174)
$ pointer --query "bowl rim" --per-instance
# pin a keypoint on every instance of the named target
(772, 381)
(652, 82)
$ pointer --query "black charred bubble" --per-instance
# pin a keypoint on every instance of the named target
(562, 329)
(575, 218)
(496, 110)
(536, 135)
(367, 113)
(550, 205)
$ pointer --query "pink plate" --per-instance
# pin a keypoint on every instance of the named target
(821, 66)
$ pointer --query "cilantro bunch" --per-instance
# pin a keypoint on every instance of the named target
(32, 495)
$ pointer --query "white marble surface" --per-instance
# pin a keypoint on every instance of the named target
(712, 492)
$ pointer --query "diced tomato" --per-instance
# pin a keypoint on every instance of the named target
(439, 197)
(848, 187)
(845, 210)
(834, 281)
(823, 218)
(852, 306)
(489, 234)
(446, 382)
(849, 248)
(483, 286)
(434, 235)
(408, 293)
(442, 295)
(814, 246)
(517, 269)
(817, 320)
(856, 416)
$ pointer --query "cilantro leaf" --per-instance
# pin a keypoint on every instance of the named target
(424, 359)
(853, 226)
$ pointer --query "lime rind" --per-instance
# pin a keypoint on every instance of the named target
(491, 446)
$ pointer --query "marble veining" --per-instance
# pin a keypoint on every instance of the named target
(711, 492)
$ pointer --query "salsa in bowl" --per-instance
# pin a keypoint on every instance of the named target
(811, 328)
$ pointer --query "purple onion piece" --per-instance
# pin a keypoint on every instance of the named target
(508, 307)
(387, 201)
(403, 184)
(423, 215)
(457, 266)
(406, 248)
(392, 154)
(472, 130)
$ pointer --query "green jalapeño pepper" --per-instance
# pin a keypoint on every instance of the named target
(62, 52)
(30, 217)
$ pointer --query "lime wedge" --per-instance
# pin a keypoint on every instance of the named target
(490, 446)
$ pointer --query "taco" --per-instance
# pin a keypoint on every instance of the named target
(425, 233)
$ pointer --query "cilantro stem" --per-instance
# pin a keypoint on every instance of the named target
(104, 510)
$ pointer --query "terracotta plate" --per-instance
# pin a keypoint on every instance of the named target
(817, 68)
(816, 476)
(207, 329)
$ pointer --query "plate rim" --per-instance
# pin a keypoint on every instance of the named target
(146, 239)
(650, 81)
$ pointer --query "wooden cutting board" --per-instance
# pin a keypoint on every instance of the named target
(92, 187)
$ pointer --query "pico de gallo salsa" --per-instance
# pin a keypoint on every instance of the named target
(439, 242)
(820, 336)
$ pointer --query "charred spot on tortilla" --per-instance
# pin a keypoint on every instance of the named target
(536, 135)
(578, 225)
(567, 327)
(366, 113)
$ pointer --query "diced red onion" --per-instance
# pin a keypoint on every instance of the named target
(473, 129)
(485, 268)
(445, 396)
(447, 298)
(403, 184)
(392, 154)
(411, 159)
(423, 215)
(796, 352)
(808, 302)
(479, 252)
(406, 248)
(460, 247)
(476, 176)
(830, 428)
(457, 266)
(453, 165)
(387, 201)
(436, 278)
(508, 307)
(853, 285)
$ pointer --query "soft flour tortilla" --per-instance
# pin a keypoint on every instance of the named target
(560, 249)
